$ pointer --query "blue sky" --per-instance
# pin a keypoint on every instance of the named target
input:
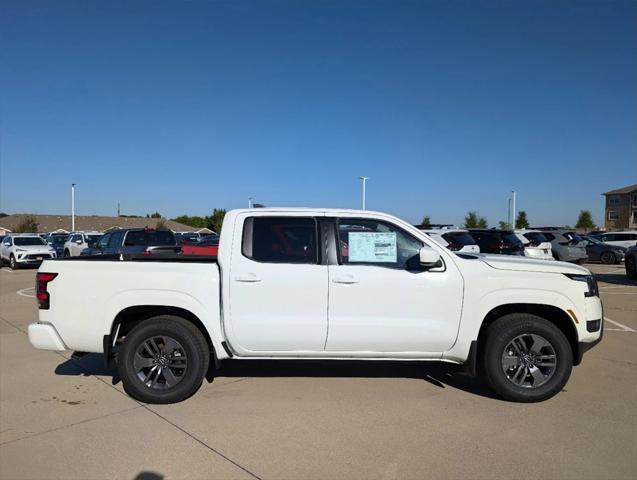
(181, 107)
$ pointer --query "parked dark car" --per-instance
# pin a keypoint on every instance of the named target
(504, 242)
(631, 263)
(134, 240)
(603, 252)
(57, 241)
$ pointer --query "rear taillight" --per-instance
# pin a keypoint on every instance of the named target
(41, 282)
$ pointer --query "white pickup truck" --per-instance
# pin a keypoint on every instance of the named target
(321, 284)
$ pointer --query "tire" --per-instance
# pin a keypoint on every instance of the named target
(631, 267)
(66, 254)
(556, 256)
(527, 378)
(12, 263)
(179, 349)
(608, 258)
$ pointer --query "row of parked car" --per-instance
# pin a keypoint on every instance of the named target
(31, 249)
(546, 243)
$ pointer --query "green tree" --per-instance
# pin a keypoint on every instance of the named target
(426, 221)
(521, 221)
(153, 215)
(28, 224)
(215, 221)
(2, 214)
(585, 220)
(473, 220)
(195, 221)
(504, 225)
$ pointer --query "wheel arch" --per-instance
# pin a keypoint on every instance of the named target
(551, 313)
(132, 316)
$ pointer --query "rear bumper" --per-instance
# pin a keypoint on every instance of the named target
(44, 336)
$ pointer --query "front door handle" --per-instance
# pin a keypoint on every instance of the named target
(348, 279)
(247, 278)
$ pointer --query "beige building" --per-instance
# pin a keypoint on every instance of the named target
(88, 223)
(621, 208)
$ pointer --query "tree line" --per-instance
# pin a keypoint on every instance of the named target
(474, 220)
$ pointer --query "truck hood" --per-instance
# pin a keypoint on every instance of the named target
(525, 264)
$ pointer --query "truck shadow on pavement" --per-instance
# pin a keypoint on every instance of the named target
(440, 375)
(615, 279)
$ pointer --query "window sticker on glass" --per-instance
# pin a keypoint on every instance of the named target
(372, 247)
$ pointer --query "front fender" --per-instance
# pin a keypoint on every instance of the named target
(473, 318)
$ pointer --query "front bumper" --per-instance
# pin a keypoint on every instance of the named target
(45, 337)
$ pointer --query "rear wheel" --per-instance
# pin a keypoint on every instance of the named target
(163, 360)
(66, 254)
(608, 258)
(526, 358)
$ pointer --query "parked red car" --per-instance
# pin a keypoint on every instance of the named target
(208, 246)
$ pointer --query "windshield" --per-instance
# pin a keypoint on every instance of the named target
(572, 236)
(92, 239)
(592, 240)
(536, 237)
(148, 238)
(58, 239)
(459, 238)
(28, 241)
(511, 239)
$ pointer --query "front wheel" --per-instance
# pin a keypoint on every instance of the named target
(12, 263)
(163, 360)
(526, 358)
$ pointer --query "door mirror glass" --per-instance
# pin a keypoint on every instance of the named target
(79, 241)
(429, 257)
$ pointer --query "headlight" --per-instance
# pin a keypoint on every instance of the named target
(20, 250)
(593, 290)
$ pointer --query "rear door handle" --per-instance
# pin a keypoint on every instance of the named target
(247, 278)
(346, 279)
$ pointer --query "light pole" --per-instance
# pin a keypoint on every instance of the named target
(364, 179)
(513, 211)
(250, 202)
(72, 207)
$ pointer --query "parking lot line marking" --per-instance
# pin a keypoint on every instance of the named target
(623, 328)
(615, 286)
(5, 270)
(23, 292)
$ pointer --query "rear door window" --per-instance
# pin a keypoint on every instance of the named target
(149, 238)
(280, 240)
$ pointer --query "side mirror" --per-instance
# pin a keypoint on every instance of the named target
(428, 257)
(79, 242)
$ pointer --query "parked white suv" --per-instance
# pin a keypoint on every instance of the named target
(78, 241)
(455, 239)
(19, 250)
(536, 245)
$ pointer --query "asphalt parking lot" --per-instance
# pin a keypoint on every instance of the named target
(62, 418)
